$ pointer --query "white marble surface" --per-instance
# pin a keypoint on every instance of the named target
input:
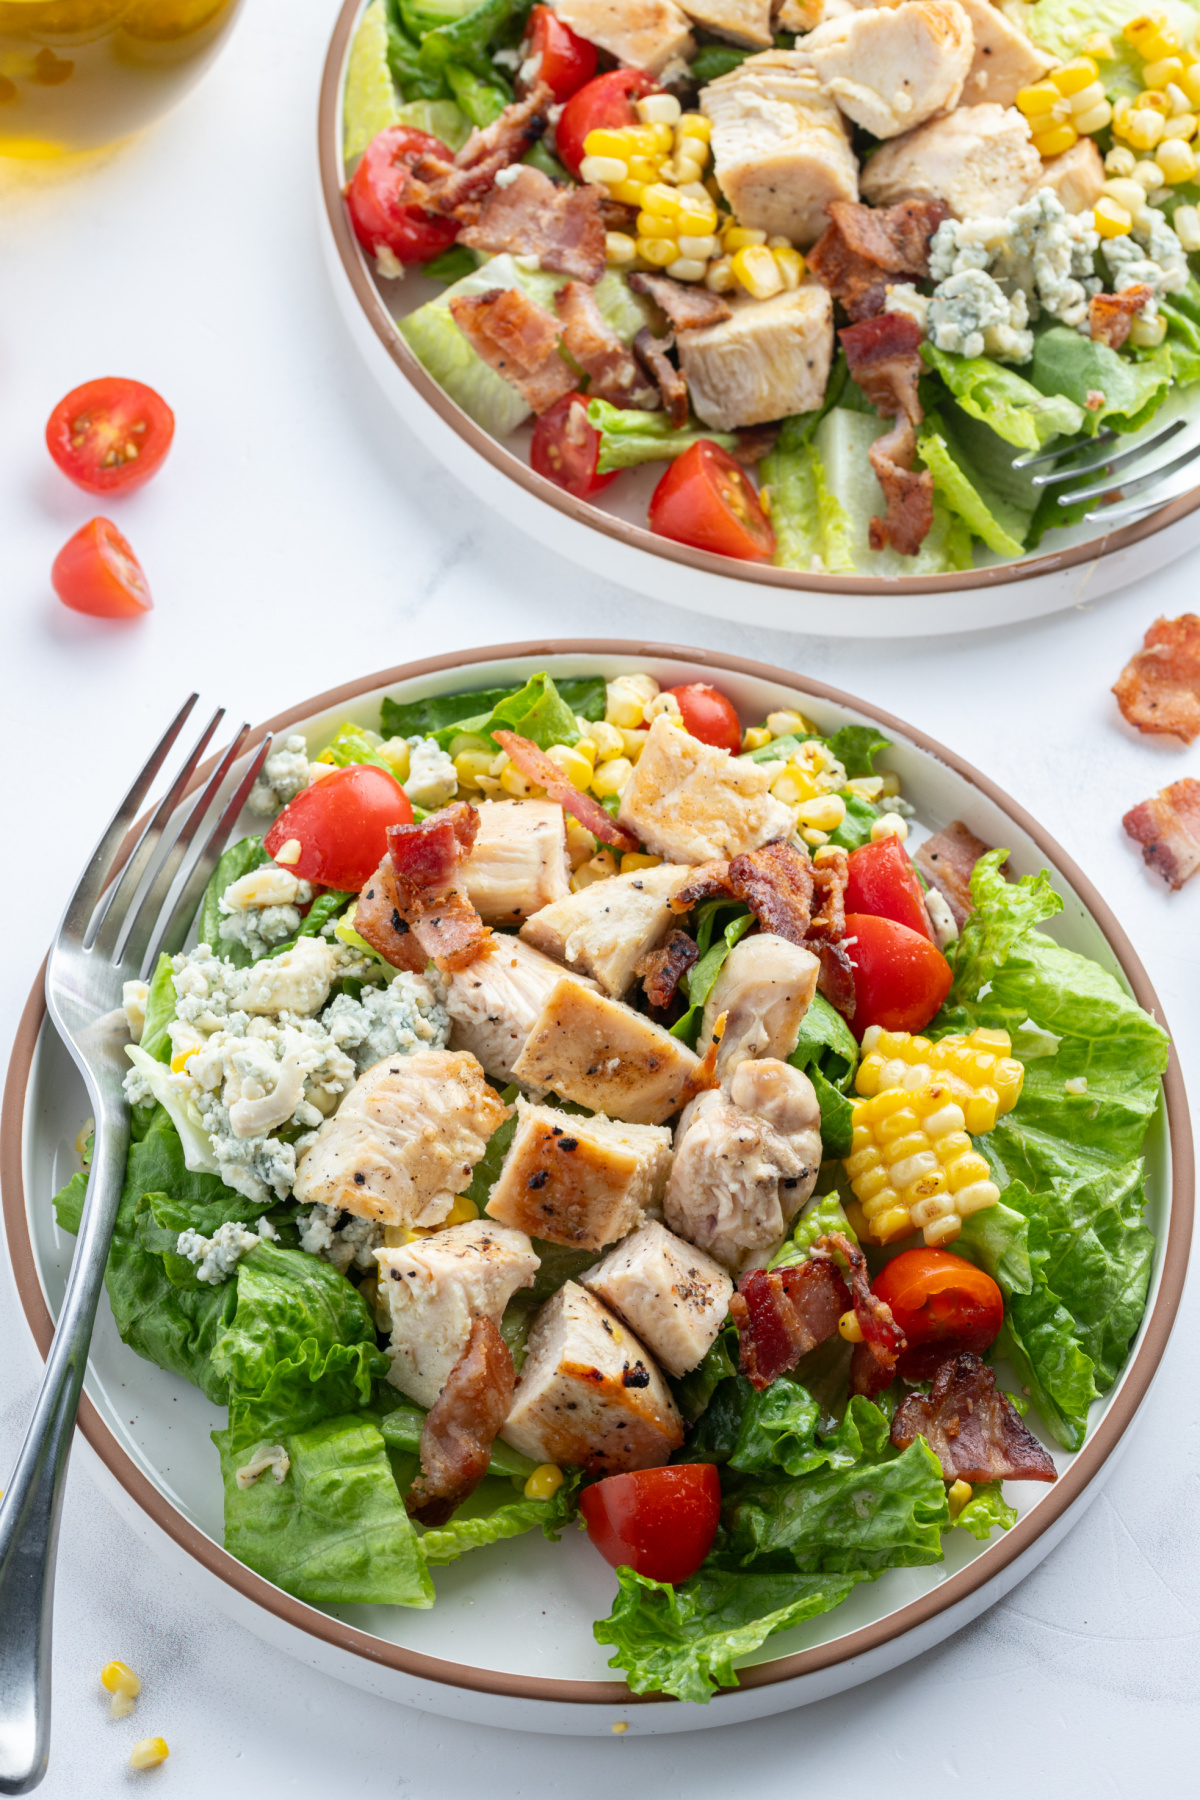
(297, 536)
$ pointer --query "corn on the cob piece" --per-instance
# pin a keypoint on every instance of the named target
(980, 1073)
(911, 1164)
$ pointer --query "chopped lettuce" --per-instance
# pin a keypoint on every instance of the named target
(856, 747)
(536, 711)
(820, 1218)
(826, 1050)
(701, 978)
(183, 1113)
(811, 526)
(160, 1011)
(494, 1512)
(1062, 26)
(628, 438)
(240, 858)
(986, 1510)
(441, 119)
(351, 744)
(480, 101)
(996, 395)
(968, 493)
(842, 440)
(528, 710)
(1066, 364)
(780, 1431)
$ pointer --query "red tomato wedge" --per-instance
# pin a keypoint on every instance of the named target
(567, 61)
(341, 824)
(606, 102)
(706, 500)
(943, 1304)
(709, 716)
(900, 978)
(566, 448)
(110, 435)
(658, 1522)
(882, 880)
(96, 572)
(375, 197)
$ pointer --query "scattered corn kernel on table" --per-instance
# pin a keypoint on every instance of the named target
(297, 536)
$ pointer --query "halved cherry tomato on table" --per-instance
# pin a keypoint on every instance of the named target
(604, 104)
(943, 1304)
(96, 572)
(705, 499)
(375, 197)
(658, 1522)
(709, 716)
(566, 448)
(567, 61)
(110, 434)
(900, 978)
(880, 879)
(341, 824)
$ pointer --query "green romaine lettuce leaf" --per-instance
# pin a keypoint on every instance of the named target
(1066, 364)
(843, 439)
(967, 492)
(160, 1011)
(629, 438)
(781, 1432)
(441, 716)
(986, 1510)
(820, 1218)
(351, 744)
(811, 526)
(1014, 408)
(238, 860)
(494, 1512)
(856, 747)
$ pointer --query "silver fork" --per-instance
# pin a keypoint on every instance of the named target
(112, 932)
(1120, 503)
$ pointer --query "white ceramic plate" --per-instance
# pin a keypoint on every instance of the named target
(510, 1639)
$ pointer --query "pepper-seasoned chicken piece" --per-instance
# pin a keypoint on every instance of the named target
(436, 1286)
(746, 1160)
(980, 161)
(764, 990)
(1076, 177)
(405, 1140)
(590, 1393)
(746, 22)
(580, 1181)
(646, 35)
(693, 803)
(603, 1055)
(672, 1294)
(518, 862)
(494, 1001)
(1005, 60)
(771, 357)
(892, 67)
(606, 929)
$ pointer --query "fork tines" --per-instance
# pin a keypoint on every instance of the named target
(1119, 502)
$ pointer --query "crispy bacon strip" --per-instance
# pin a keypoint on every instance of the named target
(873, 1364)
(426, 856)
(662, 969)
(530, 216)
(866, 247)
(885, 360)
(975, 1432)
(1110, 316)
(776, 883)
(411, 909)
(688, 307)
(782, 1314)
(1159, 689)
(1168, 829)
(707, 881)
(457, 1437)
(536, 766)
(835, 977)
(613, 370)
(829, 878)
(671, 382)
(378, 918)
(519, 339)
(456, 188)
(907, 492)
(947, 861)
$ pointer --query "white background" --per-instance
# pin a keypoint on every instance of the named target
(298, 536)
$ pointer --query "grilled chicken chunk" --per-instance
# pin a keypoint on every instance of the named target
(771, 357)
(645, 34)
(891, 68)
(780, 147)
(1004, 61)
(693, 803)
(579, 1181)
(493, 1002)
(603, 1055)
(1076, 177)
(764, 990)
(672, 1294)
(435, 1287)
(980, 161)
(589, 1392)
(404, 1141)
(746, 1160)
(519, 860)
(745, 22)
(607, 928)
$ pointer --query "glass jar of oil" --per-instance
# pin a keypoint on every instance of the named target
(78, 74)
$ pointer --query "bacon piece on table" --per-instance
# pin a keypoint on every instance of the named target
(536, 766)
(884, 353)
(782, 1314)
(519, 339)
(456, 188)
(947, 862)
(671, 382)
(461, 1426)
(1168, 829)
(975, 1432)
(1159, 689)
(530, 216)
(662, 969)
(613, 370)
(866, 248)
(1111, 315)
(688, 307)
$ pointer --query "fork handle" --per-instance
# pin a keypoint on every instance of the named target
(32, 1504)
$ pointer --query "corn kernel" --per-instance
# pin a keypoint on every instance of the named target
(1041, 97)
(598, 868)
(1175, 94)
(813, 836)
(1154, 100)
(1189, 81)
(719, 277)
(646, 169)
(1179, 125)
(1056, 140)
(581, 845)
(889, 824)
(740, 237)
(662, 200)
(121, 1705)
(624, 709)
(699, 249)
(1186, 226)
(462, 1212)
(892, 1224)
(1142, 127)
(1100, 115)
(1151, 36)
(469, 765)
(1147, 174)
(658, 109)
(697, 221)
(516, 784)
(603, 170)
(1074, 76)
(544, 1483)
(1099, 46)
(657, 251)
(942, 1231)
(655, 225)
(119, 1678)
(691, 149)
(755, 736)
(1176, 159)
(849, 1327)
(1111, 220)
(826, 812)
(628, 193)
(1087, 97)
(634, 743)
(687, 268)
(149, 1753)
(957, 1496)
(619, 247)
(791, 788)
(1119, 161)
(695, 125)
(289, 853)
(633, 860)
(611, 777)
(576, 768)
(757, 271)
(1147, 334)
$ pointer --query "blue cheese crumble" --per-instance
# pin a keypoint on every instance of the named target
(971, 315)
(218, 1256)
(1152, 256)
(262, 909)
(354, 1242)
(283, 776)
(1040, 257)
(432, 779)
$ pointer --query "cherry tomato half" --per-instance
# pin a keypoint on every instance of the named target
(567, 61)
(110, 434)
(882, 880)
(706, 500)
(96, 572)
(375, 197)
(900, 978)
(943, 1304)
(566, 448)
(709, 716)
(341, 825)
(658, 1522)
(606, 103)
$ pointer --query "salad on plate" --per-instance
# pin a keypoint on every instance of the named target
(579, 1107)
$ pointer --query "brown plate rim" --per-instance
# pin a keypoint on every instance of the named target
(957, 1587)
(635, 537)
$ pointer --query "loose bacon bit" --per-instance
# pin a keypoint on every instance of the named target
(457, 1436)
(411, 910)
(776, 883)
(835, 977)
(1110, 316)
(884, 354)
(1168, 829)
(753, 443)
(689, 308)
(671, 382)
(873, 1364)
(378, 919)
(562, 227)
(425, 857)
(588, 337)
(536, 766)
(707, 881)
(948, 862)
(1159, 690)
(975, 1432)
(907, 492)
(519, 339)
(867, 247)
(662, 969)
(782, 1314)
(829, 878)
(454, 188)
